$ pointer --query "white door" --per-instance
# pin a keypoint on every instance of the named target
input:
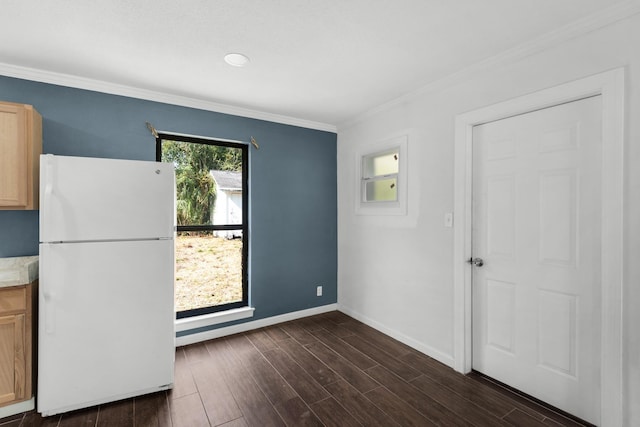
(536, 226)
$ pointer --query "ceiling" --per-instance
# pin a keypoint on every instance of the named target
(321, 61)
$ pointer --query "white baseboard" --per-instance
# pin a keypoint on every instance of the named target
(248, 326)
(447, 359)
(261, 323)
(17, 408)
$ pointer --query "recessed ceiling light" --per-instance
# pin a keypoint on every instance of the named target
(236, 59)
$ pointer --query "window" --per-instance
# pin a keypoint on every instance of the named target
(380, 176)
(382, 179)
(212, 217)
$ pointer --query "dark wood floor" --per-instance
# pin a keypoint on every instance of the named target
(323, 370)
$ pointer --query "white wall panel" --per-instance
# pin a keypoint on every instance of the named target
(562, 138)
(557, 315)
(500, 322)
(501, 216)
(557, 229)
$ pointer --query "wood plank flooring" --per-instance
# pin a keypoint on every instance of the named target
(325, 370)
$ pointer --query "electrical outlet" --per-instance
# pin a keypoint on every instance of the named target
(448, 219)
(319, 291)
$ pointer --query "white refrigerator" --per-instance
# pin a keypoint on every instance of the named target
(106, 298)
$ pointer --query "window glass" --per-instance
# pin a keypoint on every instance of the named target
(381, 164)
(384, 190)
(380, 176)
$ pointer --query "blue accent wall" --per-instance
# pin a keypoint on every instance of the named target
(293, 197)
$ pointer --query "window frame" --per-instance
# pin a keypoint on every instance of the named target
(383, 207)
(245, 219)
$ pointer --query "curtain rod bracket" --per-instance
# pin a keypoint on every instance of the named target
(153, 130)
(254, 143)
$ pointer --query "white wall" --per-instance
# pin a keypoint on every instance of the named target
(396, 273)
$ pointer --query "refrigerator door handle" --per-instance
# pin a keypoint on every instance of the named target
(49, 313)
(47, 292)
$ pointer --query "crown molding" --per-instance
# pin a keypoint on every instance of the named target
(567, 32)
(78, 82)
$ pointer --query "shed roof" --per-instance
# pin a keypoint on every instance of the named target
(227, 180)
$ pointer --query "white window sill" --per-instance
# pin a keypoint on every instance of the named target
(194, 322)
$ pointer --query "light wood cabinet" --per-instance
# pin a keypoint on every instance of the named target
(16, 343)
(20, 149)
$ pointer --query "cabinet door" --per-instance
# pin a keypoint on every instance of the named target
(13, 161)
(12, 358)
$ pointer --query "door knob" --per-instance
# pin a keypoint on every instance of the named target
(478, 262)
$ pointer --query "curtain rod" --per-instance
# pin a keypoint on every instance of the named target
(155, 133)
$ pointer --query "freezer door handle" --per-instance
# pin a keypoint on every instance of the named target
(48, 187)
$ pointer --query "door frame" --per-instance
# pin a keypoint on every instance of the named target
(610, 85)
